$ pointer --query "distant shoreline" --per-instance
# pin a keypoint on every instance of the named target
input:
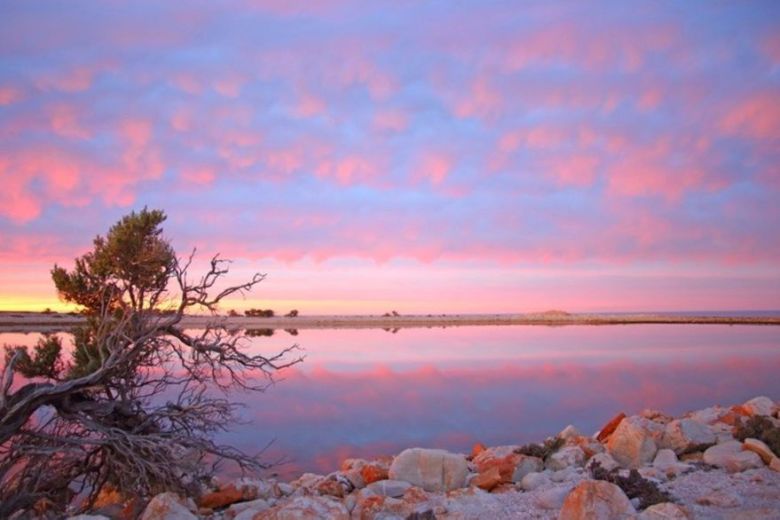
(35, 321)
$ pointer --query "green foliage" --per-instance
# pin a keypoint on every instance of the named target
(761, 428)
(45, 361)
(123, 269)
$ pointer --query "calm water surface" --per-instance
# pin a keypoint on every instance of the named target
(373, 392)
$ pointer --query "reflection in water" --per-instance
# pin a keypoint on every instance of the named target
(366, 392)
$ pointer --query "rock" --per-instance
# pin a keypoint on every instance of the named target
(285, 488)
(477, 449)
(709, 415)
(306, 508)
(682, 435)
(720, 499)
(565, 475)
(372, 473)
(503, 457)
(332, 487)
(760, 448)
(488, 479)
(664, 511)
(596, 499)
(169, 506)
(570, 432)
(430, 469)
(604, 460)
(534, 480)
(610, 427)
(666, 461)
(631, 445)
(731, 457)
(565, 457)
(588, 445)
(246, 509)
(552, 498)
(307, 481)
(88, 517)
(775, 464)
(230, 494)
(525, 465)
(760, 406)
(389, 488)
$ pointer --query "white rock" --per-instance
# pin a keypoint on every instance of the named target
(88, 517)
(389, 488)
(632, 444)
(534, 480)
(526, 465)
(731, 457)
(761, 405)
(569, 432)
(684, 434)
(760, 448)
(604, 460)
(565, 457)
(168, 506)
(564, 475)
(664, 511)
(708, 415)
(430, 469)
(310, 508)
(552, 498)
(253, 506)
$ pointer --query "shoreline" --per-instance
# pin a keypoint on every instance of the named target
(45, 322)
(709, 463)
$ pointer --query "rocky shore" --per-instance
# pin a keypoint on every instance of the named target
(715, 463)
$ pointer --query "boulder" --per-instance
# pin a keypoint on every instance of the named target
(430, 469)
(604, 460)
(759, 448)
(525, 465)
(596, 499)
(389, 488)
(306, 508)
(372, 472)
(488, 479)
(570, 432)
(229, 494)
(761, 405)
(682, 435)
(632, 444)
(731, 457)
(664, 511)
(243, 510)
(169, 506)
(610, 427)
(709, 415)
(565, 457)
(88, 517)
(534, 480)
(553, 497)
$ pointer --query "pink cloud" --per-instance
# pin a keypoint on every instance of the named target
(435, 167)
(481, 100)
(64, 121)
(755, 117)
(76, 79)
(391, 120)
(202, 175)
(309, 105)
(229, 86)
(10, 94)
(577, 170)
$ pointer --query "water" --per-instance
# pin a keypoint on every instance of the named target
(372, 392)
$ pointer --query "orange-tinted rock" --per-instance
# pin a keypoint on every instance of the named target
(477, 449)
(610, 427)
(760, 448)
(306, 508)
(168, 505)
(108, 496)
(330, 487)
(372, 473)
(503, 458)
(488, 479)
(224, 497)
(595, 499)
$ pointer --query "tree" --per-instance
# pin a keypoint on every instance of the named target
(137, 403)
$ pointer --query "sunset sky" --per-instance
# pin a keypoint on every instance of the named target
(427, 157)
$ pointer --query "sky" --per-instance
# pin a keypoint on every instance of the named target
(424, 157)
